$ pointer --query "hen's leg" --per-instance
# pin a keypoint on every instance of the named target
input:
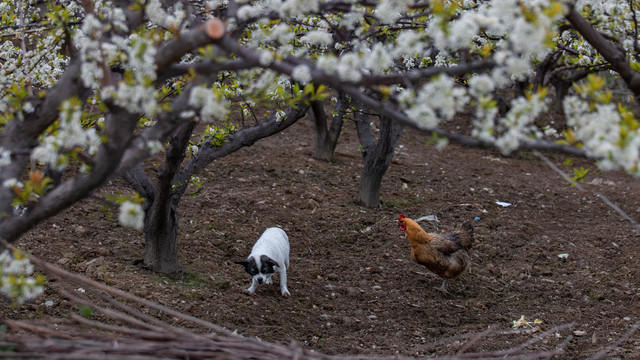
(443, 287)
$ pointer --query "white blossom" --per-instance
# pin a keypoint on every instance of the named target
(70, 134)
(11, 183)
(194, 149)
(16, 280)
(28, 107)
(302, 74)
(131, 214)
(155, 147)
(295, 8)
(187, 114)
(349, 66)
(481, 85)
(463, 31)
(318, 37)
(211, 103)
(280, 115)
(172, 19)
(518, 123)
(599, 130)
(388, 11)
(5, 157)
(436, 101)
(245, 12)
(266, 57)
(379, 59)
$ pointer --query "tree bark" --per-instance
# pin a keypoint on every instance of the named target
(161, 237)
(327, 139)
(562, 82)
(377, 157)
(161, 221)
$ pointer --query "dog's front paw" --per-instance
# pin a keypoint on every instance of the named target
(250, 291)
(285, 292)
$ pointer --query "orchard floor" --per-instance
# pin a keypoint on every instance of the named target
(354, 289)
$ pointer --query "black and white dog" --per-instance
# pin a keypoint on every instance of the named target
(269, 254)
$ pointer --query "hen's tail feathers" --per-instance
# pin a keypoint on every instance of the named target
(467, 241)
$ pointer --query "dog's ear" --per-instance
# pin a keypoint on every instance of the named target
(267, 260)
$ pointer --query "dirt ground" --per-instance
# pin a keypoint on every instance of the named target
(353, 286)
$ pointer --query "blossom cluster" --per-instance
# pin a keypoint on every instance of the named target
(603, 133)
(16, 277)
(211, 102)
(437, 101)
(69, 135)
(131, 215)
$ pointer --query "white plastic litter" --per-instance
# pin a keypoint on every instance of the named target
(428, 218)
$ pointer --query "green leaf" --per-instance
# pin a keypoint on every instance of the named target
(85, 311)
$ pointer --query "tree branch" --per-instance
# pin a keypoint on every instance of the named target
(423, 74)
(120, 126)
(612, 53)
(245, 137)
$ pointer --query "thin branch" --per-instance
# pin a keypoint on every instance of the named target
(423, 74)
(65, 275)
(606, 200)
(636, 47)
(602, 353)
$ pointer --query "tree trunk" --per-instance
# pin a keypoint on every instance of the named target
(161, 217)
(161, 237)
(327, 139)
(562, 82)
(377, 157)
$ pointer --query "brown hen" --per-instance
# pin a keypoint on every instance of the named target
(445, 254)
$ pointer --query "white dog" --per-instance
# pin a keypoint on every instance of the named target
(268, 255)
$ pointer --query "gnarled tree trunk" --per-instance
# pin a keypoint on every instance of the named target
(161, 217)
(161, 237)
(377, 157)
(327, 139)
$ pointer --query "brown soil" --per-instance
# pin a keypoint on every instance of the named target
(353, 286)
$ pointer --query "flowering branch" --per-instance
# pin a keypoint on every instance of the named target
(612, 53)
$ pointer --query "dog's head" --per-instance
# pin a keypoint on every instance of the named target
(260, 269)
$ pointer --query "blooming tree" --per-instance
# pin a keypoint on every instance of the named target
(93, 87)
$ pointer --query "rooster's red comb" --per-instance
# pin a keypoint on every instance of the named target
(401, 217)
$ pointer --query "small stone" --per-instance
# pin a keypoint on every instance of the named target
(332, 276)
(580, 333)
